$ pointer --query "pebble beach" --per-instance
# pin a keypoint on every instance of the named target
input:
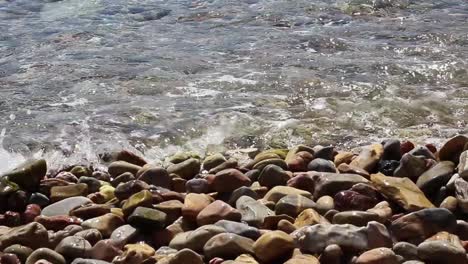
(390, 202)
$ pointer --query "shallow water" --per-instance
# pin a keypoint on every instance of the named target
(81, 77)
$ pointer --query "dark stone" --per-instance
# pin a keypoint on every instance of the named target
(197, 186)
(392, 150)
(93, 183)
(388, 167)
(326, 153)
(350, 200)
(321, 165)
(417, 226)
(241, 191)
(125, 190)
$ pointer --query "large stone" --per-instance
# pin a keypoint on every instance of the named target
(278, 192)
(350, 238)
(128, 156)
(148, 218)
(228, 164)
(369, 157)
(303, 259)
(407, 250)
(64, 206)
(461, 193)
(196, 239)
(273, 175)
(142, 198)
(416, 227)
(124, 190)
(9, 258)
(293, 205)
(332, 254)
(197, 185)
(186, 169)
(268, 157)
(343, 157)
(73, 247)
(253, 212)
(216, 211)
(172, 208)
(240, 229)
(348, 169)
(450, 203)
(331, 183)
(194, 203)
(434, 178)
(93, 183)
(56, 237)
(321, 165)
(183, 256)
(298, 158)
(324, 152)
(88, 261)
(351, 200)
(90, 210)
(228, 246)
(134, 253)
(105, 250)
(20, 251)
(411, 167)
(154, 175)
(272, 246)
(33, 235)
(443, 247)
(453, 148)
(357, 218)
(58, 193)
(383, 210)
(28, 174)
(325, 204)
(7, 187)
(378, 256)
(245, 259)
(228, 180)
(57, 222)
(309, 217)
(242, 191)
(422, 151)
(391, 149)
(45, 254)
(118, 167)
(463, 165)
(401, 191)
(213, 161)
(106, 224)
(91, 235)
(122, 178)
(124, 234)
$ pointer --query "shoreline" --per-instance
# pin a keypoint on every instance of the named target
(386, 202)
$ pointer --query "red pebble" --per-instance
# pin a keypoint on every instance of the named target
(7, 258)
(58, 222)
(406, 146)
(396, 216)
(216, 261)
(432, 148)
(32, 210)
(302, 181)
(12, 218)
(465, 244)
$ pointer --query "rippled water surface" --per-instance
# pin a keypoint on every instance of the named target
(78, 77)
